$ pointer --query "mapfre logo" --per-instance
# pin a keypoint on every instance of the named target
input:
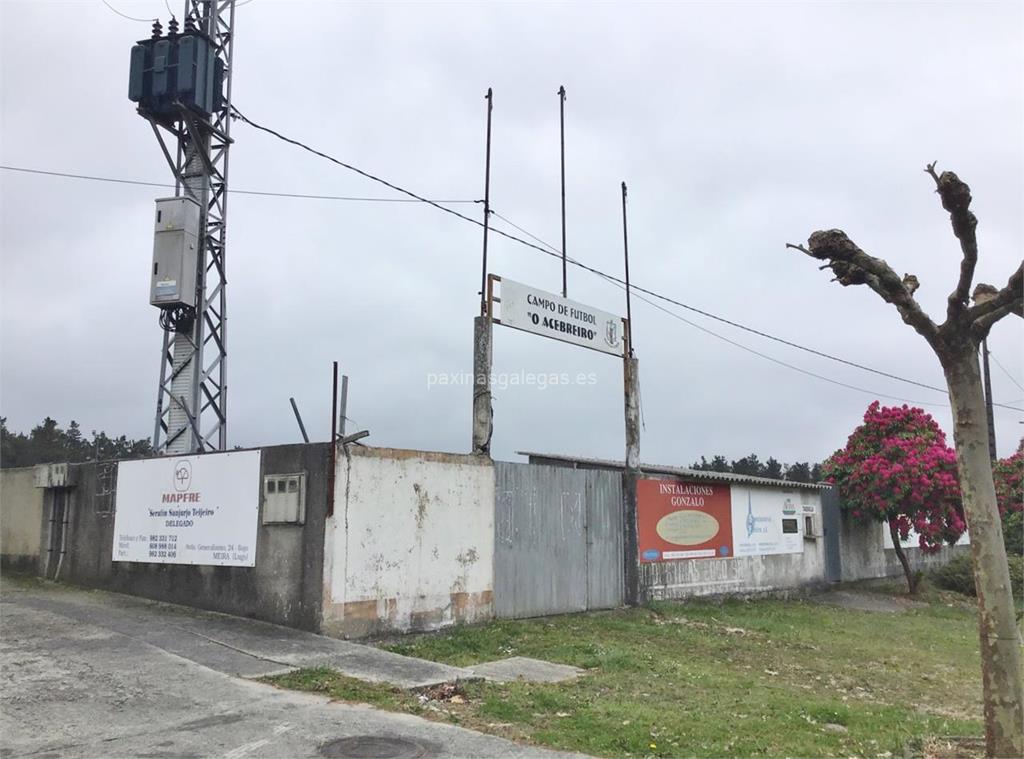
(182, 475)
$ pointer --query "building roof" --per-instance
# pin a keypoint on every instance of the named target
(697, 474)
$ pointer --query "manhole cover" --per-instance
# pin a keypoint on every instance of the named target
(374, 747)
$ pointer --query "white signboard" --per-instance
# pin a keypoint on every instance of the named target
(766, 521)
(188, 509)
(542, 313)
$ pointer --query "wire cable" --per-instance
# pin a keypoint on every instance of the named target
(1005, 370)
(237, 192)
(125, 15)
(746, 348)
(622, 286)
(551, 251)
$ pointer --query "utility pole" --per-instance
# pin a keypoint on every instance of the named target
(988, 401)
(561, 120)
(483, 412)
(631, 394)
(182, 83)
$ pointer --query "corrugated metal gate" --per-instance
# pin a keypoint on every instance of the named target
(558, 540)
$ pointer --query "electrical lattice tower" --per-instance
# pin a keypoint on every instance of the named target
(181, 81)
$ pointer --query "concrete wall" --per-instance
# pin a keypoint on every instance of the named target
(411, 544)
(22, 519)
(284, 586)
(739, 575)
(865, 556)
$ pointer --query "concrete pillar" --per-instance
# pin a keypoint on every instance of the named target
(483, 412)
(631, 557)
(631, 389)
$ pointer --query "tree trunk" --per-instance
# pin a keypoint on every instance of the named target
(911, 579)
(1000, 639)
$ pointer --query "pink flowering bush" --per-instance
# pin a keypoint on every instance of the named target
(897, 468)
(1009, 477)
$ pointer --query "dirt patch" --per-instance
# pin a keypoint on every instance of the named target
(867, 602)
(947, 748)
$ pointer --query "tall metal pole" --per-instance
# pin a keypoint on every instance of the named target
(988, 400)
(625, 248)
(483, 411)
(333, 456)
(487, 203)
(561, 119)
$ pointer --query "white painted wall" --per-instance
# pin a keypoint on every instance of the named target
(411, 542)
(21, 516)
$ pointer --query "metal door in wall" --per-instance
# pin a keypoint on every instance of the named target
(558, 540)
(830, 522)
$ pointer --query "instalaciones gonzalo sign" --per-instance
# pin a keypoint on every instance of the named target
(532, 310)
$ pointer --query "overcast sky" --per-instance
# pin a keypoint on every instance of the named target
(738, 127)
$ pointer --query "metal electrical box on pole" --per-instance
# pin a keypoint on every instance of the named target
(175, 253)
(181, 82)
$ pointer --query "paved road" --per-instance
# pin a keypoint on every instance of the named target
(88, 674)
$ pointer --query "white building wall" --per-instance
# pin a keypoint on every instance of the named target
(21, 519)
(411, 543)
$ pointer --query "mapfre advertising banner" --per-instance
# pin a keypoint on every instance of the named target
(188, 509)
(683, 520)
(542, 313)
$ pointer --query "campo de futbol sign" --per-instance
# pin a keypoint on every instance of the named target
(532, 310)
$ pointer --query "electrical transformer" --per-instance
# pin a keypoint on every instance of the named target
(175, 253)
(176, 71)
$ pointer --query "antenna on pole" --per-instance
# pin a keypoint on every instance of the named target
(561, 119)
(487, 203)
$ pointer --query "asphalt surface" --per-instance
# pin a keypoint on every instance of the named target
(90, 674)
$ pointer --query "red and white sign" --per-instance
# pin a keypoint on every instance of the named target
(677, 519)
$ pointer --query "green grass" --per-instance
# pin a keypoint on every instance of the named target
(328, 682)
(737, 678)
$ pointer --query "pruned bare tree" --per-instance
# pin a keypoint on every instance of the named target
(956, 343)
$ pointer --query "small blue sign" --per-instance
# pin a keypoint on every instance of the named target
(651, 554)
(723, 551)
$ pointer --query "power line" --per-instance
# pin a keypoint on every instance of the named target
(683, 319)
(551, 251)
(125, 15)
(237, 192)
(1005, 370)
